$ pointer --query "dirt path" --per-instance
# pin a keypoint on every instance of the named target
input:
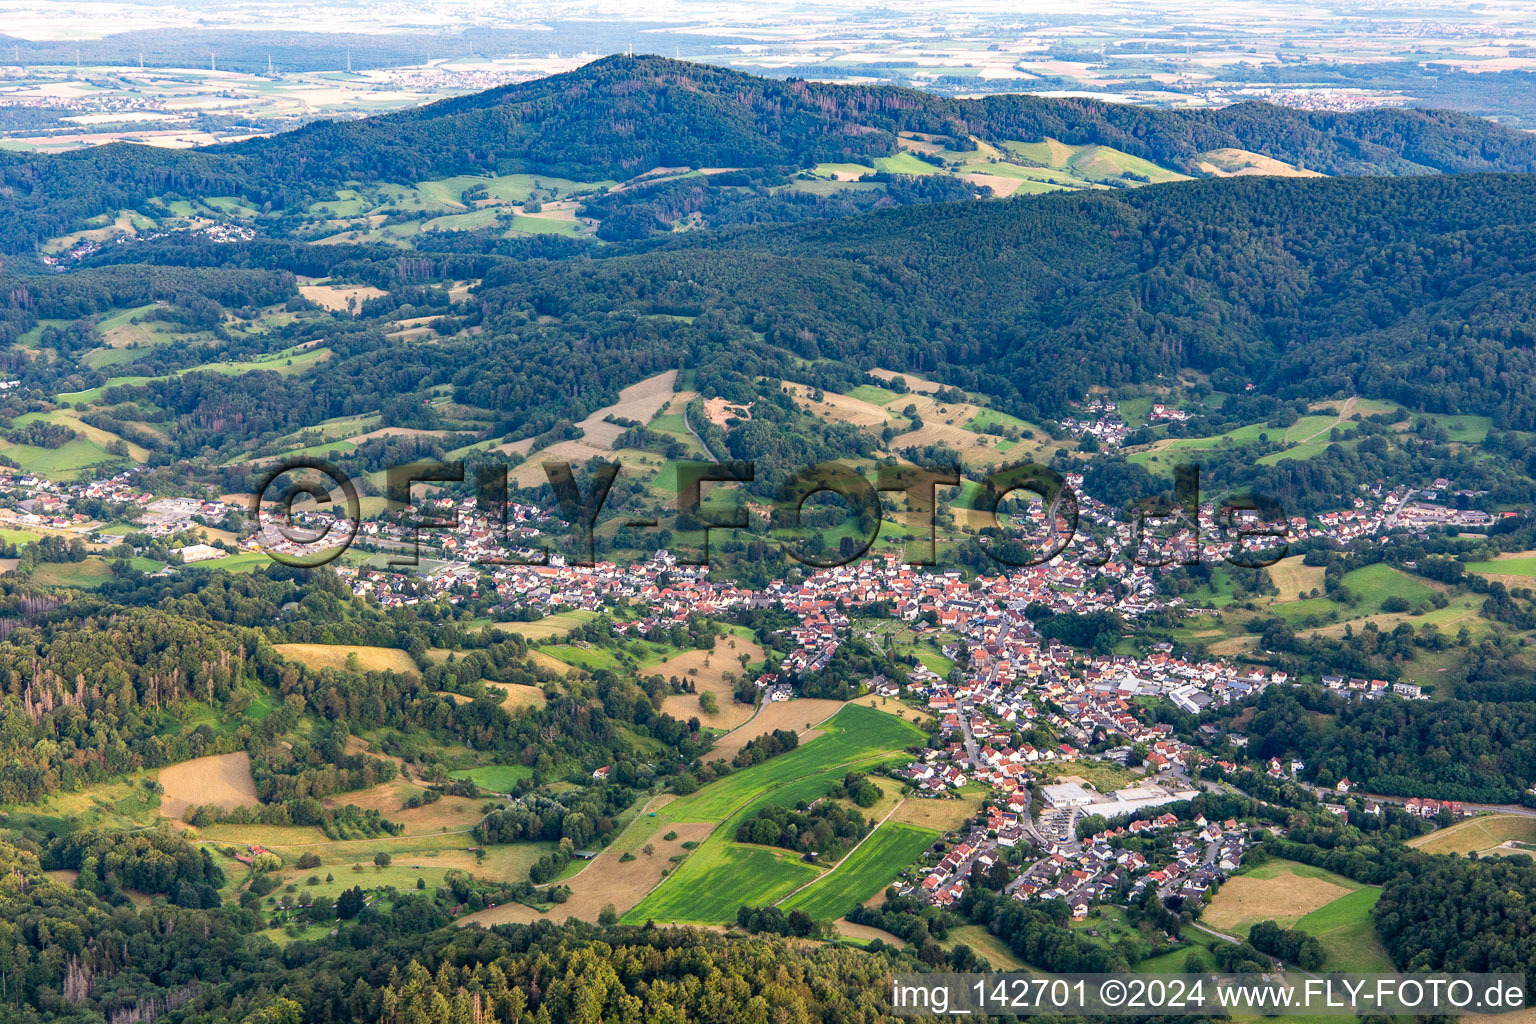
(1344, 411)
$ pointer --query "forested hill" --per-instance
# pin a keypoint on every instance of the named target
(1418, 289)
(623, 116)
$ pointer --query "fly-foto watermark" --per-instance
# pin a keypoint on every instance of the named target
(1239, 526)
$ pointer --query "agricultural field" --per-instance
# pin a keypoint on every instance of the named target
(339, 297)
(369, 659)
(722, 874)
(1279, 890)
(864, 872)
(1481, 835)
(223, 780)
(1518, 567)
(518, 696)
(549, 626)
(608, 879)
(942, 815)
(1294, 579)
(800, 715)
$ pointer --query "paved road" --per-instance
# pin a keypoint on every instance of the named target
(970, 741)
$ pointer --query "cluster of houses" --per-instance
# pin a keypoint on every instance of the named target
(1100, 869)
(219, 232)
(1160, 413)
(1374, 689)
(1100, 420)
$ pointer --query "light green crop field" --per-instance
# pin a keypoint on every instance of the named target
(498, 778)
(854, 734)
(722, 875)
(545, 226)
(864, 872)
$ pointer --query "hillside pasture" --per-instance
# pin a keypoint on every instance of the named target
(518, 695)
(549, 626)
(1346, 933)
(842, 408)
(608, 879)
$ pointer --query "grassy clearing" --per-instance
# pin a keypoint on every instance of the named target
(92, 572)
(1375, 583)
(985, 944)
(369, 659)
(496, 778)
(864, 872)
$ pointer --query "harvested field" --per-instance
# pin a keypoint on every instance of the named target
(388, 798)
(640, 402)
(1002, 185)
(1232, 163)
(842, 408)
(914, 382)
(221, 779)
(1292, 578)
(339, 297)
(550, 662)
(706, 670)
(940, 815)
(1284, 898)
(800, 715)
(369, 659)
